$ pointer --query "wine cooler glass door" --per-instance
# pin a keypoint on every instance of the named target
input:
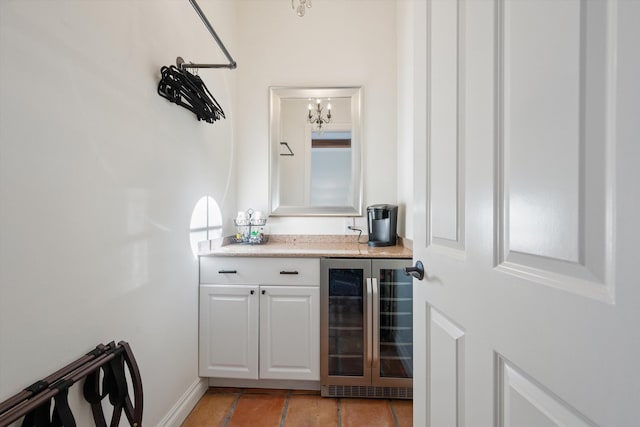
(393, 321)
(346, 332)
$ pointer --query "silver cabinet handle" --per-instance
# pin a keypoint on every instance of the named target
(375, 303)
(369, 322)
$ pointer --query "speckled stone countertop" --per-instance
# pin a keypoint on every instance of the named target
(309, 246)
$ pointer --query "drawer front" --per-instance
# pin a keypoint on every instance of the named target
(260, 271)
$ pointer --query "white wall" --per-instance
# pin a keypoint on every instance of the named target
(98, 178)
(406, 25)
(337, 43)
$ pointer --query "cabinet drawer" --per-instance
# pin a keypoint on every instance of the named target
(260, 271)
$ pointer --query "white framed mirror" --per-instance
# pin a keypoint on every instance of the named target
(315, 157)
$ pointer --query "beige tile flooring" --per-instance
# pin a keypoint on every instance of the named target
(242, 407)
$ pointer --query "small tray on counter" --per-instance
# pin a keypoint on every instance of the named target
(250, 239)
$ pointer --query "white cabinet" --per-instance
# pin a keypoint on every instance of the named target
(260, 318)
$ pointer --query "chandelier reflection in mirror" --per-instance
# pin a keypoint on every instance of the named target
(302, 6)
(315, 116)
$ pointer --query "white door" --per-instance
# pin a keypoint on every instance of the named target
(526, 213)
(290, 332)
(229, 331)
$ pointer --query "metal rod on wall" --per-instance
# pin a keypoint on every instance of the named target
(231, 65)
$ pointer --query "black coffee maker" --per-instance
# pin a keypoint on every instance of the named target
(382, 223)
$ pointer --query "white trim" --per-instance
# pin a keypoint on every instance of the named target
(183, 407)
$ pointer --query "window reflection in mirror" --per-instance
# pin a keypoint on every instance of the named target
(330, 168)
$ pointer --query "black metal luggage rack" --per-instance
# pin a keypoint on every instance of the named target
(250, 231)
(34, 402)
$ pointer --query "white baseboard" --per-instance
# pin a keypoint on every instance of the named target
(181, 410)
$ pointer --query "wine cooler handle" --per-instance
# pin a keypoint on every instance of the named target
(375, 303)
(369, 322)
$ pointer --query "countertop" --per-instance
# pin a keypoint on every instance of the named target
(308, 246)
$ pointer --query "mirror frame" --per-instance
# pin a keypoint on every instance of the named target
(276, 94)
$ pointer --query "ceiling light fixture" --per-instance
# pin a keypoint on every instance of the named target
(302, 6)
(315, 116)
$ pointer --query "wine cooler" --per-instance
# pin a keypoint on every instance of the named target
(366, 338)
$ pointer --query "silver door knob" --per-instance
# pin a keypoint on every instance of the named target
(417, 271)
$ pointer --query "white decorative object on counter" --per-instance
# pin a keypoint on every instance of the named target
(250, 227)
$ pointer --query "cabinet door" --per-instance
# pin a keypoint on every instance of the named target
(290, 332)
(392, 324)
(229, 331)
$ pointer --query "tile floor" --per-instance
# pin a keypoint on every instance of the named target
(235, 407)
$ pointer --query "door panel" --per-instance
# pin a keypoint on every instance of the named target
(446, 149)
(551, 164)
(523, 403)
(446, 367)
(540, 77)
